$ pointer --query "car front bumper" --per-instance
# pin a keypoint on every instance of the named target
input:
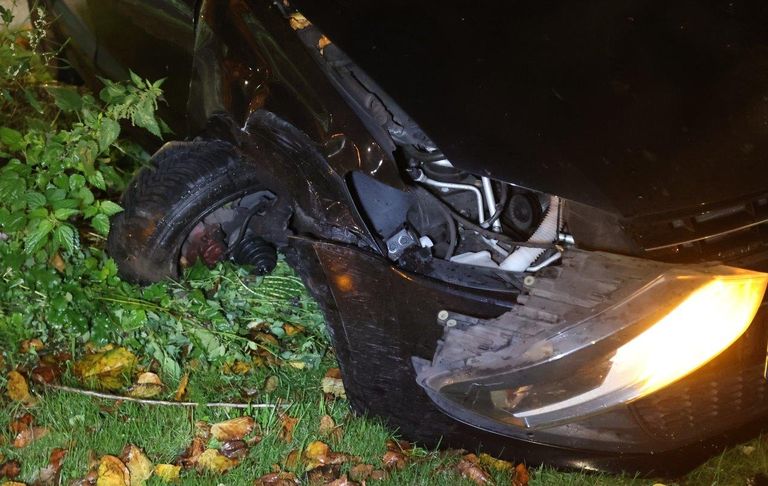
(381, 317)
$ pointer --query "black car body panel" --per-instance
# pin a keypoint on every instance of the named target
(636, 107)
(631, 110)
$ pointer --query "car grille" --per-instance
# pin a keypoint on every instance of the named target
(734, 233)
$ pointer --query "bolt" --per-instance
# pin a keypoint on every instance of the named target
(529, 280)
(442, 315)
(404, 239)
(451, 323)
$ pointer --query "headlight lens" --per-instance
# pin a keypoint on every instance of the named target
(694, 332)
(602, 331)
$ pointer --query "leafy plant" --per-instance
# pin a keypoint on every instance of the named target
(62, 166)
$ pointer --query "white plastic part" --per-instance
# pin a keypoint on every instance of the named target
(523, 257)
(425, 242)
(479, 258)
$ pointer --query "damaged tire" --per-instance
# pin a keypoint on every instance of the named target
(185, 182)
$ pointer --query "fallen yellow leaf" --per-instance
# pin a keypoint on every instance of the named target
(137, 463)
(234, 429)
(112, 472)
(109, 369)
(148, 385)
(167, 472)
(18, 390)
(236, 368)
(181, 390)
(292, 329)
(270, 384)
(493, 463)
(298, 21)
(214, 461)
(332, 383)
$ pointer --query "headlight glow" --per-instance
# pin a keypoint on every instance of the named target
(702, 326)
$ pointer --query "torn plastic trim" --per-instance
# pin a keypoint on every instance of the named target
(524, 369)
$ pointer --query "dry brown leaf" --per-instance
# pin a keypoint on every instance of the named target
(327, 424)
(298, 21)
(168, 473)
(31, 344)
(233, 429)
(474, 472)
(58, 263)
(343, 481)
(318, 453)
(21, 423)
(112, 472)
(18, 390)
(203, 430)
(13, 483)
(137, 463)
(109, 369)
(361, 472)
(148, 385)
(293, 459)
(29, 435)
(270, 384)
(181, 390)
(214, 461)
(277, 479)
(10, 469)
(394, 460)
(399, 445)
(378, 475)
(287, 424)
(49, 475)
(521, 476)
(332, 383)
(234, 449)
(190, 456)
(46, 373)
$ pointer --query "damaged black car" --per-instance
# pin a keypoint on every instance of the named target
(536, 228)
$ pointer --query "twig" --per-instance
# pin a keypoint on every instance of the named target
(108, 396)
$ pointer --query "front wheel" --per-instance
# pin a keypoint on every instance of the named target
(193, 202)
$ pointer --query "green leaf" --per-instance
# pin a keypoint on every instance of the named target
(67, 99)
(136, 79)
(66, 203)
(144, 117)
(108, 133)
(110, 208)
(76, 181)
(35, 200)
(11, 138)
(100, 223)
(66, 236)
(14, 222)
(64, 214)
(97, 180)
(38, 236)
(86, 196)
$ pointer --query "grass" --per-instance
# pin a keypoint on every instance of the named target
(90, 427)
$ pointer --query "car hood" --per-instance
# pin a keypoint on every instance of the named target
(635, 107)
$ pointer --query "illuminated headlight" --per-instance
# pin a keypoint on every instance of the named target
(568, 359)
(707, 322)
